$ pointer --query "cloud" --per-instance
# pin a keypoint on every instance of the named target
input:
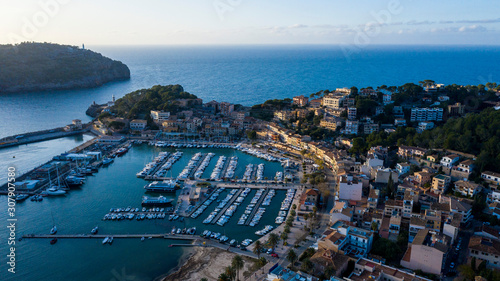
(465, 28)
(414, 22)
(297, 25)
(485, 21)
(497, 20)
(472, 28)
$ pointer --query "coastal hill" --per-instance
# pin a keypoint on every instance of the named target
(139, 103)
(45, 66)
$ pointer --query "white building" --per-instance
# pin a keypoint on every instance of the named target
(425, 126)
(351, 113)
(448, 160)
(403, 168)
(351, 127)
(491, 177)
(333, 101)
(159, 116)
(426, 114)
(138, 125)
(350, 188)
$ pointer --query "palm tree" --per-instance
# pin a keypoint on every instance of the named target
(306, 217)
(238, 264)
(257, 248)
(273, 240)
(223, 277)
(291, 257)
(230, 272)
(284, 237)
(307, 265)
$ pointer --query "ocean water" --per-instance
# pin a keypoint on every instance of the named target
(253, 74)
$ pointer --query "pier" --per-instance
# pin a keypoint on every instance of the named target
(40, 136)
(198, 164)
(256, 208)
(153, 171)
(221, 213)
(102, 236)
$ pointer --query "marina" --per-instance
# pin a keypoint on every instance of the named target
(98, 189)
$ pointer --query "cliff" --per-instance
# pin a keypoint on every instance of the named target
(43, 66)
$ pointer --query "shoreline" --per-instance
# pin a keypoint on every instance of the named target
(187, 253)
(204, 262)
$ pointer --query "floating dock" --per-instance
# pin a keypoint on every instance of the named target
(256, 208)
(102, 236)
(223, 211)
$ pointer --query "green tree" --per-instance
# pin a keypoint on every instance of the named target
(252, 135)
(284, 237)
(238, 263)
(467, 271)
(223, 277)
(257, 248)
(358, 145)
(291, 257)
(391, 192)
(307, 265)
(272, 240)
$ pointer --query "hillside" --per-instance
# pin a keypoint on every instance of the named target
(141, 102)
(44, 66)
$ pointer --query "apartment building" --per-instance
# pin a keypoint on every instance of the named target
(426, 114)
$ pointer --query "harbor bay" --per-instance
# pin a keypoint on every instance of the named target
(117, 186)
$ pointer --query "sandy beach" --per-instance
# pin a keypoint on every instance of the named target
(205, 262)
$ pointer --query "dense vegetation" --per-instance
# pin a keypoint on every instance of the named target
(265, 111)
(44, 66)
(139, 103)
(476, 133)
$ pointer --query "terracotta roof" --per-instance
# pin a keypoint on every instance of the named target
(467, 162)
(490, 230)
(485, 245)
(312, 192)
(491, 173)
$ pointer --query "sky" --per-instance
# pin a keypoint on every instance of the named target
(209, 22)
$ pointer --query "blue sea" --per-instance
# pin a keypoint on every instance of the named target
(253, 74)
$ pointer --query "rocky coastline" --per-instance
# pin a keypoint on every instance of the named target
(32, 67)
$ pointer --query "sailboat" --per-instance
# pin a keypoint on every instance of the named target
(54, 190)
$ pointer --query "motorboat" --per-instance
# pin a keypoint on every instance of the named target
(167, 186)
(21, 197)
(54, 191)
(53, 230)
(156, 201)
(94, 230)
(107, 161)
